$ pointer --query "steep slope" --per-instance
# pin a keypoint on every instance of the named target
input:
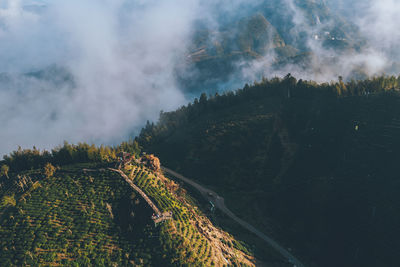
(315, 170)
(87, 214)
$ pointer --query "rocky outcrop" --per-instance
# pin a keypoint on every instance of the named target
(151, 162)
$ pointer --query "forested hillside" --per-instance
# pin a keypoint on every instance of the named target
(314, 165)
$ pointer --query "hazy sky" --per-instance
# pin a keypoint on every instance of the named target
(121, 59)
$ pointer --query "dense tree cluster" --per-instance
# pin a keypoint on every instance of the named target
(26, 159)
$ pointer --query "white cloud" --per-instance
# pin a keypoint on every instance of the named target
(122, 62)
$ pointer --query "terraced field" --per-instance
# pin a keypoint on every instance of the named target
(86, 215)
(199, 241)
(73, 219)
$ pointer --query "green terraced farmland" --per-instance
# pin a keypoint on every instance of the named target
(84, 214)
(73, 219)
(196, 243)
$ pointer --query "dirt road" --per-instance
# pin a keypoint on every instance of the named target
(220, 204)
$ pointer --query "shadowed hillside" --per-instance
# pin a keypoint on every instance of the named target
(313, 165)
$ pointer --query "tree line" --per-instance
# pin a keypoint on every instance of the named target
(284, 88)
(27, 159)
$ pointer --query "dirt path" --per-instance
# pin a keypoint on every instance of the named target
(219, 203)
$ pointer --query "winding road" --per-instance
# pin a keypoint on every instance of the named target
(219, 203)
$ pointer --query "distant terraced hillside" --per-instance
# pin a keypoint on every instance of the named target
(275, 34)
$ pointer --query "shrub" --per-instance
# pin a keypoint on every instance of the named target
(49, 170)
